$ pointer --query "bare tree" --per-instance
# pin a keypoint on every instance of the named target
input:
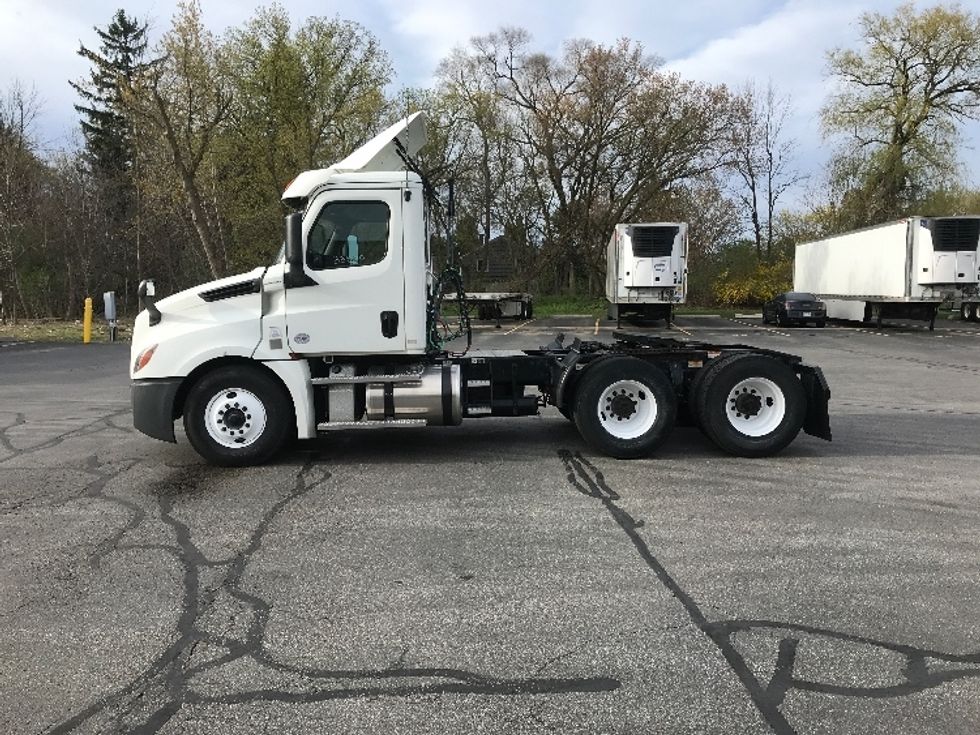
(762, 159)
(183, 98)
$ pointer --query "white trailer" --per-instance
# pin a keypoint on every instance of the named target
(646, 270)
(343, 332)
(898, 270)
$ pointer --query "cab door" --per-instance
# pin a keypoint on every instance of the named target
(354, 302)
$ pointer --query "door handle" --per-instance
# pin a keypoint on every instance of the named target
(389, 324)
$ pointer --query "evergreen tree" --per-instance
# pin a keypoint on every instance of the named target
(107, 131)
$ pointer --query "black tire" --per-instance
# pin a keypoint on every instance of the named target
(768, 374)
(258, 444)
(654, 393)
(821, 323)
(530, 310)
(965, 311)
(974, 313)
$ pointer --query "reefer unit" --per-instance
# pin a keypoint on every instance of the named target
(646, 269)
(902, 269)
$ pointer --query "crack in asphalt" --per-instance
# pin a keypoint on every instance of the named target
(92, 427)
(768, 698)
(19, 420)
(152, 698)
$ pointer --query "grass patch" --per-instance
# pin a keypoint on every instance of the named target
(60, 330)
(564, 305)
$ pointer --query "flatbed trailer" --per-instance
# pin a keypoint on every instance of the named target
(497, 305)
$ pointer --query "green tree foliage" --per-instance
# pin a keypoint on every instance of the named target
(182, 100)
(745, 279)
(105, 123)
(301, 99)
(900, 100)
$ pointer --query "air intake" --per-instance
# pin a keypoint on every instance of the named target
(653, 242)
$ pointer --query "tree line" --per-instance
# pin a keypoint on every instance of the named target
(189, 143)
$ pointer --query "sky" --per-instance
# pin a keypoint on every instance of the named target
(719, 41)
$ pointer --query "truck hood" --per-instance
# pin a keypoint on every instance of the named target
(199, 296)
(214, 319)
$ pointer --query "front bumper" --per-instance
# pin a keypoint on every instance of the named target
(814, 314)
(153, 407)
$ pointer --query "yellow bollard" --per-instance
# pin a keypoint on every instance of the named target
(87, 322)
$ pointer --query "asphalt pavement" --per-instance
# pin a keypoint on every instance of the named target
(500, 576)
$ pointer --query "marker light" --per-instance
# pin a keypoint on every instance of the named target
(143, 358)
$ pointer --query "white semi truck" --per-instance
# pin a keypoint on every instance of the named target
(646, 270)
(898, 270)
(341, 333)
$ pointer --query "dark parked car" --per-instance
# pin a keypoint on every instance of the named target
(794, 307)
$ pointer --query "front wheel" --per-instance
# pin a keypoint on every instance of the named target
(237, 415)
(751, 407)
(624, 407)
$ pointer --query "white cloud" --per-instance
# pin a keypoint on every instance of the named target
(709, 40)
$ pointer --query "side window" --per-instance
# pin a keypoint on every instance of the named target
(347, 235)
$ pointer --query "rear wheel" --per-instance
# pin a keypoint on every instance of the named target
(966, 311)
(624, 407)
(821, 323)
(751, 407)
(974, 313)
(701, 378)
(236, 416)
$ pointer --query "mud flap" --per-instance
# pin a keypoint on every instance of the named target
(817, 421)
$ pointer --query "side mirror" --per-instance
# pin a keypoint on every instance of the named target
(295, 275)
(147, 294)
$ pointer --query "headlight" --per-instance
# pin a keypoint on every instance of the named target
(143, 358)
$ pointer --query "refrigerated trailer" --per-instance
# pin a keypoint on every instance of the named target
(646, 270)
(338, 335)
(898, 270)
